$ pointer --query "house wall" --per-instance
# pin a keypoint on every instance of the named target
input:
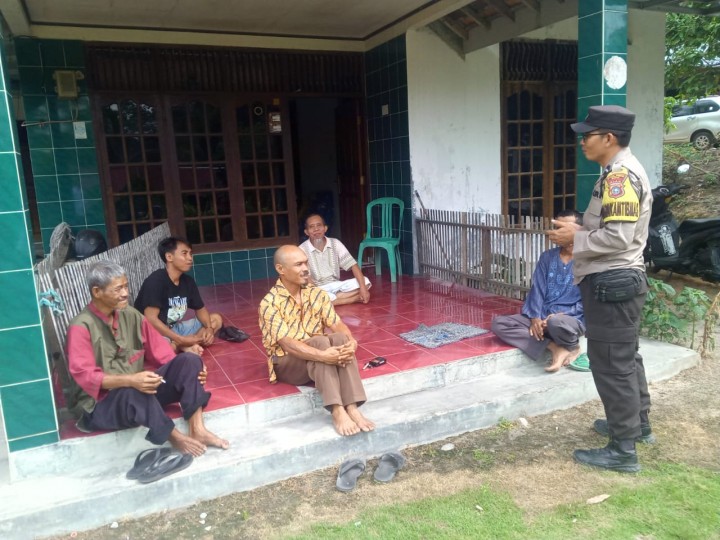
(454, 121)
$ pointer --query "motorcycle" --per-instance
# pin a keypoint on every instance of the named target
(691, 248)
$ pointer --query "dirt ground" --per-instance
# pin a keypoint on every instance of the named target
(532, 463)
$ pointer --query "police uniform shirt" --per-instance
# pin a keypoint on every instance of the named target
(615, 224)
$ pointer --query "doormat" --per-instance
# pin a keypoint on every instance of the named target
(441, 334)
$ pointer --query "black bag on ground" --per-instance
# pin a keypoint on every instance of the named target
(618, 285)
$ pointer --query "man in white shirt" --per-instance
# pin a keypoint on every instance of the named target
(326, 256)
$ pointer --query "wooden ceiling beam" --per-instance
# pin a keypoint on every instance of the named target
(471, 12)
(454, 27)
(532, 4)
(502, 8)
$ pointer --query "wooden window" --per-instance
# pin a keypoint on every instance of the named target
(216, 167)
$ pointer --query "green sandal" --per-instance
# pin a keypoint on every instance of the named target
(581, 363)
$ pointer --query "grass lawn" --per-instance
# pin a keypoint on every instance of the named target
(667, 501)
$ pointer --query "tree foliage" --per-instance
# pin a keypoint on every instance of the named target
(692, 55)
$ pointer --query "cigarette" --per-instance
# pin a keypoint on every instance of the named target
(163, 381)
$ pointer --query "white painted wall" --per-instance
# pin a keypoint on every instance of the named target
(454, 111)
(646, 85)
(454, 121)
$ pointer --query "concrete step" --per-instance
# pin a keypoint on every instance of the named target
(94, 492)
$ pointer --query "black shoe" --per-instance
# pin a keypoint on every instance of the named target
(612, 457)
(646, 435)
(230, 333)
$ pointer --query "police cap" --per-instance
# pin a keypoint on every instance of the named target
(609, 117)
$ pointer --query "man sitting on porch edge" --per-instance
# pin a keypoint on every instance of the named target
(293, 319)
(110, 347)
(325, 258)
(552, 316)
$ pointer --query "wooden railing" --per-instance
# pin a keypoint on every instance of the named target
(481, 251)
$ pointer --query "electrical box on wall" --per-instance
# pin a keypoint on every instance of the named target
(66, 83)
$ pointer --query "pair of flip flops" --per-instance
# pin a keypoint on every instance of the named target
(155, 463)
(230, 333)
(581, 363)
(351, 469)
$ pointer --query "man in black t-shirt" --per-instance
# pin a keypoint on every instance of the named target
(167, 294)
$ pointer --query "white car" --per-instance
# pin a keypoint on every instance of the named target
(698, 123)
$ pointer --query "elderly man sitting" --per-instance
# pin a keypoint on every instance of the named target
(325, 258)
(552, 317)
(293, 319)
(127, 371)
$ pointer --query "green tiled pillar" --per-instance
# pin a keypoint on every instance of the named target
(64, 163)
(602, 71)
(25, 391)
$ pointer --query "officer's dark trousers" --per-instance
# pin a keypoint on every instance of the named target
(126, 407)
(617, 367)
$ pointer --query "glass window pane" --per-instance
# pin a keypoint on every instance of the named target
(217, 148)
(190, 206)
(187, 178)
(250, 201)
(261, 147)
(537, 157)
(111, 119)
(246, 148)
(222, 203)
(278, 174)
(152, 149)
(253, 227)
(202, 174)
(137, 179)
(159, 210)
(281, 200)
(115, 150)
(263, 174)
(268, 226)
(525, 186)
(276, 146)
(513, 161)
(207, 208)
(512, 107)
(570, 183)
(209, 229)
(129, 115)
(226, 233)
(283, 225)
(142, 228)
(266, 202)
(214, 119)
(182, 146)
(248, 174)
(118, 180)
(200, 148)
(220, 176)
(243, 119)
(537, 185)
(259, 123)
(179, 116)
(140, 207)
(155, 178)
(197, 117)
(125, 233)
(558, 183)
(192, 231)
(537, 136)
(147, 117)
(513, 188)
(512, 135)
(134, 150)
(122, 208)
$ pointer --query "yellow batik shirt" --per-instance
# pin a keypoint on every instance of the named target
(281, 316)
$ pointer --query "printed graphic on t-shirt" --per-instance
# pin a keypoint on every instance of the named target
(177, 306)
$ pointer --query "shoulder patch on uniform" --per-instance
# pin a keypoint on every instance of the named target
(620, 200)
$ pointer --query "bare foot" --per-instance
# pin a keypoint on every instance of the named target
(186, 445)
(342, 422)
(559, 355)
(363, 423)
(210, 439)
(571, 357)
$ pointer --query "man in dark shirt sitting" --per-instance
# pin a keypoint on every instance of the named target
(166, 295)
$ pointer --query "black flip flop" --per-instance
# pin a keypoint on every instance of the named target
(165, 466)
(348, 474)
(146, 458)
(388, 465)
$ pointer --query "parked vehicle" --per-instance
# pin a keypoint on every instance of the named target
(698, 123)
(692, 248)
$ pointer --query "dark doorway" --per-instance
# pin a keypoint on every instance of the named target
(330, 164)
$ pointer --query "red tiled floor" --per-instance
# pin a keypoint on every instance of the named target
(237, 372)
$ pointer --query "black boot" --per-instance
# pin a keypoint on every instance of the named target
(646, 435)
(619, 455)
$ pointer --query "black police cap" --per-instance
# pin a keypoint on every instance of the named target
(609, 117)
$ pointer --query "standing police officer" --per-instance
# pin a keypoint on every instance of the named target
(609, 267)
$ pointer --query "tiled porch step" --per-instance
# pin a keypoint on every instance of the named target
(124, 445)
(264, 454)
